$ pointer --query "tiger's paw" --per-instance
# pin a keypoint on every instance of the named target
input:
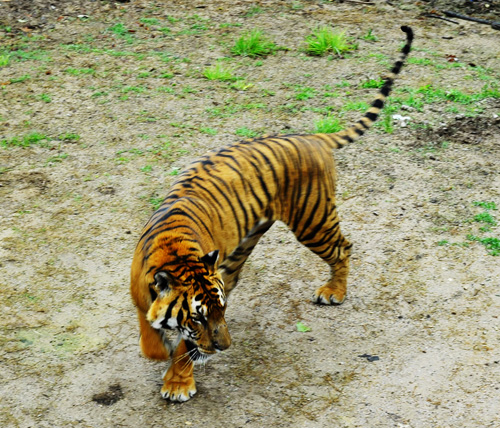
(178, 389)
(326, 295)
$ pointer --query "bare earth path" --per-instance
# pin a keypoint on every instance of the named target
(102, 103)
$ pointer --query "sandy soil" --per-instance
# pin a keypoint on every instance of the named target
(110, 101)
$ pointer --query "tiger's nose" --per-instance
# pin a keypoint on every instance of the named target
(223, 345)
(222, 339)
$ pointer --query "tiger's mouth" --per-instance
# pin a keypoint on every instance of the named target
(196, 354)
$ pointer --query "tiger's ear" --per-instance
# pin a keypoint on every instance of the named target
(163, 280)
(210, 259)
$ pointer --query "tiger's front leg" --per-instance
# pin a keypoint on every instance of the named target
(178, 381)
(151, 341)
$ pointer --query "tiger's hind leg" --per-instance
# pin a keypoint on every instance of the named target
(334, 291)
(325, 239)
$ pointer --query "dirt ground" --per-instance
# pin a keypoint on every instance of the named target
(102, 103)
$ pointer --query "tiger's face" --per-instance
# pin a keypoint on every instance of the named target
(192, 302)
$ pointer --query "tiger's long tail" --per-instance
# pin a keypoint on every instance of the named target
(340, 139)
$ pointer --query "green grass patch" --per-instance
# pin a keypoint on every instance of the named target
(156, 202)
(328, 125)
(165, 30)
(372, 83)
(331, 94)
(20, 79)
(56, 159)
(150, 21)
(194, 29)
(46, 98)
(254, 10)
(485, 217)
(208, 131)
(386, 122)
(492, 245)
(229, 24)
(488, 222)
(100, 94)
(380, 58)
(325, 40)
(37, 139)
(29, 55)
(166, 89)
(80, 48)
(219, 72)
(487, 205)
(136, 89)
(304, 92)
(27, 140)
(80, 71)
(343, 84)
(370, 36)
(420, 61)
(355, 106)
(230, 109)
(189, 90)
(175, 171)
(254, 44)
(412, 100)
(122, 32)
(431, 94)
(246, 133)
(241, 85)
(302, 328)
(68, 137)
(4, 60)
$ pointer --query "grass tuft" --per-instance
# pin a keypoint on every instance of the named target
(328, 125)
(491, 244)
(27, 140)
(372, 83)
(487, 205)
(370, 36)
(122, 32)
(485, 218)
(253, 44)
(219, 72)
(245, 132)
(4, 60)
(324, 40)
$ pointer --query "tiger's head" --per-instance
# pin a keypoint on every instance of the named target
(189, 297)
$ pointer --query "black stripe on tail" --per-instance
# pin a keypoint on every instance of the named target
(340, 139)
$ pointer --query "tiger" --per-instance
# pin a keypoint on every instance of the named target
(192, 249)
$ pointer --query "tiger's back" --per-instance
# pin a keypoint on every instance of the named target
(235, 194)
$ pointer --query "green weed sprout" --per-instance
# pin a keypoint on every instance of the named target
(324, 40)
(4, 60)
(253, 44)
(247, 133)
(219, 72)
(370, 37)
(491, 244)
(328, 125)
